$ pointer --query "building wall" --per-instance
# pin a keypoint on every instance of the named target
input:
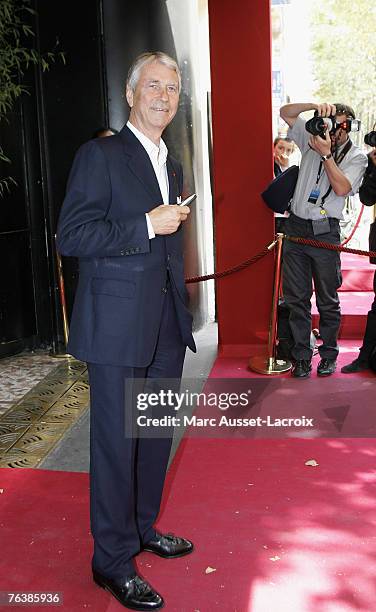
(242, 136)
(171, 27)
(67, 104)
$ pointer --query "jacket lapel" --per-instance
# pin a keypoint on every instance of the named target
(139, 163)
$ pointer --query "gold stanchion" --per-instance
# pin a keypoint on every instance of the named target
(63, 307)
(269, 364)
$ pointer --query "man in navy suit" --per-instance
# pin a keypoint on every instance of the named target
(130, 319)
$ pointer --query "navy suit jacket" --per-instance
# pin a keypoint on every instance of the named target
(123, 275)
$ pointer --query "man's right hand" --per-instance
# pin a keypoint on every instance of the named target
(166, 219)
(326, 110)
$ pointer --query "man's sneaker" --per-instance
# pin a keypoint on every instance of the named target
(326, 367)
(302, 368)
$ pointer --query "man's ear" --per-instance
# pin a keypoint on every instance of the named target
(129, 96)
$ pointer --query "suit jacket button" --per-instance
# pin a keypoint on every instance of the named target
(164, 290)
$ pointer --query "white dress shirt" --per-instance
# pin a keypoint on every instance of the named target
(158, 158)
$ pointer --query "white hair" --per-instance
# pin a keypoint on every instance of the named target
(147, 58)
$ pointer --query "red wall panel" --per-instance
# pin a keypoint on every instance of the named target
(240, 51)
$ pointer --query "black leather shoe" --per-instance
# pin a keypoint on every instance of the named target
(326, 367)
(302, 368)
(355, 366)
(134, 592)
(168, 546)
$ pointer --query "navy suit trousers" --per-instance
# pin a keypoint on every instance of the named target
(127, 472)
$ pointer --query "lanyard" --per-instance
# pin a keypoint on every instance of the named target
(345, 150)
(319, 173)
(338, 160)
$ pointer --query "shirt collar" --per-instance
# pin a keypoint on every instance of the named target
(158, 153)
(342, 146)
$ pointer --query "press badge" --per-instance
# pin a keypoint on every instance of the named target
(321, 226)
(314, 196)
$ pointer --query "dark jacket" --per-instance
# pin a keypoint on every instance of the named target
(123, 274)
(367, 195)
(367, 191)
(277, 169)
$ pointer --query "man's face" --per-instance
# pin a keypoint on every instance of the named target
(340, 136)
(283, 149)
(282, 152)
(155, 100)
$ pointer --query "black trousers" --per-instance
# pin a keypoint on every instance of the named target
(280, 225)
(127, 473)
(302, 265)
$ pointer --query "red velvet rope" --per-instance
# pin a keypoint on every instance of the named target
(245, 264)
(266, 250)
(355, 227)
(331, 247)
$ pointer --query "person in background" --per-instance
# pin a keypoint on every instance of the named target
(331, 168)
(103, 132)
(367, 195)
(283, 148)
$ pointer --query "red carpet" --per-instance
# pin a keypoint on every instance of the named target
(354, 308)
(271, 533)
(357, 273)
(356, 295)
(233, 362)
(281, 536)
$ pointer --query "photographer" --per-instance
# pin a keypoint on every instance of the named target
(331, 168)
(367, 194)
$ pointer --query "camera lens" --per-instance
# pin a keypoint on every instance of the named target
(315, 126)
(370, 139)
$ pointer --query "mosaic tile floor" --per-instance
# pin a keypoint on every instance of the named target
(41, 397)
(20, 373)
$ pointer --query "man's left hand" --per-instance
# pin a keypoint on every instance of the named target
(320, 145)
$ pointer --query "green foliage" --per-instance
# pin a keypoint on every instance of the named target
(16, 55)
(344, 55)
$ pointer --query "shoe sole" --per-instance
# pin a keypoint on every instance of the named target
(326, 374)
(104, 586)
(304, 376)
(307, 375)
(183, 554)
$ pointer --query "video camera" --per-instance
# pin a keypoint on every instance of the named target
(317, 126)
(370, 139)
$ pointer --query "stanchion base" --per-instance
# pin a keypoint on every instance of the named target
(270, 366)
(60, 355)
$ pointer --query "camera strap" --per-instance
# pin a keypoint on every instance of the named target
(338, 160)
